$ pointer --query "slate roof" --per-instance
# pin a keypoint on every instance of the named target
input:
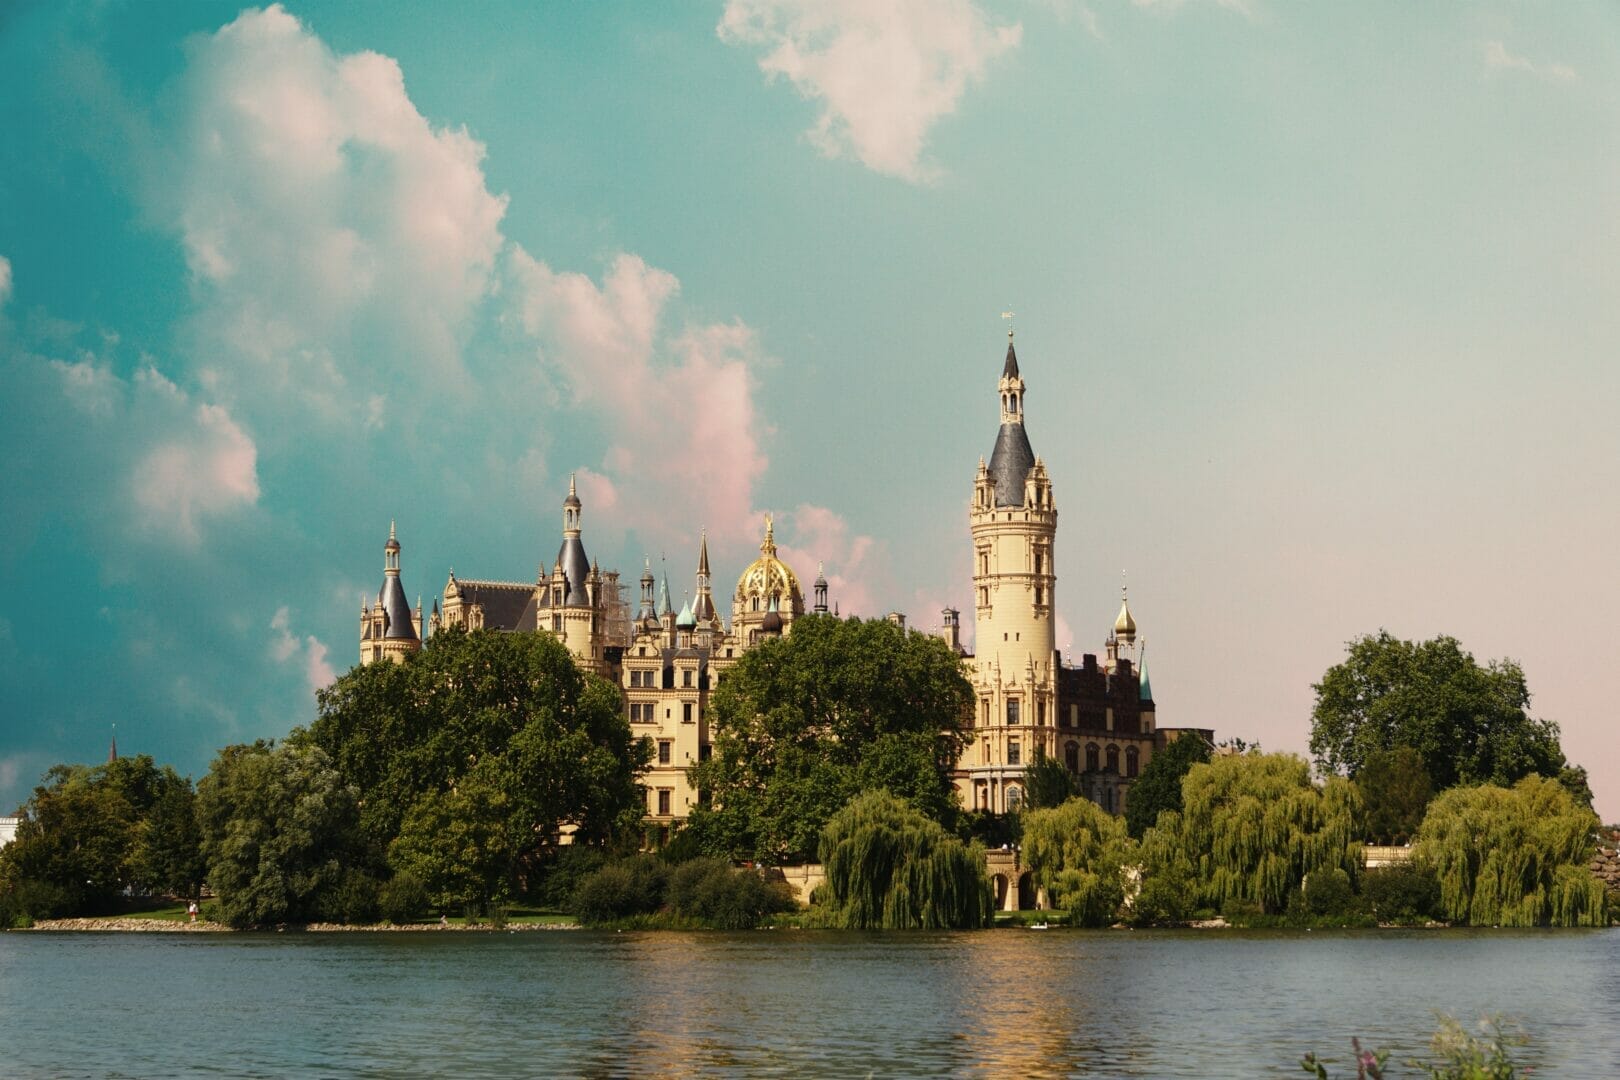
(1009, 370)
(392, 598)
(505, 603)
(576, 568)
(1010, 462)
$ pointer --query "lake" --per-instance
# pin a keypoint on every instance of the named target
(1003, 1003)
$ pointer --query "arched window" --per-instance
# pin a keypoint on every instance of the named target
(1113, 758)
(1130, 761)
(1015, 798)
(1071, 756)
(1091, 757)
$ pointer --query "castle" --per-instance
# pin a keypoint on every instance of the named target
(1098, 718)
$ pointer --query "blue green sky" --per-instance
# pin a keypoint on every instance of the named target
(1318, 306)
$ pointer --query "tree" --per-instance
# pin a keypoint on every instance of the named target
(88, 833)
(1513, 856)
(279, 829)
(1047, 782)
(1252, 827)
(1159, 787)
(1468, 722)
(457, 845)
(1079, 852)
(890, 867)
(1395, 789)
(804, 723)
(551, 747)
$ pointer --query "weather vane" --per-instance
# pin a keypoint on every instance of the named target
(1009, 317)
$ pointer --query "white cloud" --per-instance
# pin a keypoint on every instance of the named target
(1498, 58)
(310, 651)
(678, 408)
(1241, 7)
(203, 471)
(883, 73)
(324, 219)
(5, 280)
(816, 536)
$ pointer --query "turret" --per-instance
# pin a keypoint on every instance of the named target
(389, 629)
(821, 589)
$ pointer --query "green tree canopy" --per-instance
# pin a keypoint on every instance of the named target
(890, 867)
(1468, 722)
(89, 832)
(1395, 791)
(1159, 787)
(1047, 782)
(550, 745)
(456, 843)
(279, 829)
(1078, 852)
(1513, 856)
(802, 724)
(1252, 827)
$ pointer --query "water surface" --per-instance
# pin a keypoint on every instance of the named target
(787, 1003)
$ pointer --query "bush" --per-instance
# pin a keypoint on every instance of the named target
(710, 891)
(620, 890)
(353, 901)
(402, 899)
(560, 880)
(1161, 901)
(211, 911)
(36, 900)
(1403, 893)
(1328, 892)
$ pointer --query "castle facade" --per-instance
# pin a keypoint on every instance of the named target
(1098, 717)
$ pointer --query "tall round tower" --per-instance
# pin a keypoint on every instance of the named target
(1013, 520)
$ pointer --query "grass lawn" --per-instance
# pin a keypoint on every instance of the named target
(155, 908)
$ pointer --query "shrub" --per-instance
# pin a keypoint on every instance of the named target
(716, 895)
(1328, 892)
(211, 911)
(353, 901)
(560, 880)
(620, 890)
(402, 899)
(1161, 901)
(1402, 893)
(39, 900)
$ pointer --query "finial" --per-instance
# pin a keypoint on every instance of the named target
(768, 545)
(391, 529)
(571, 490)
(1009, 317)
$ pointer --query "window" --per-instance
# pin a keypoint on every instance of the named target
(1040, 714)
(1130, 761)
(1014, 753)
(556, 624)
(1091, 757)
(663, 801)
(705, 751)
(986, 711)
(686, 713)
(686, 677)
(1012, 712)
(1040, 597)
(1071, 756)
(664, 751)
(1015, 798)
(1113, 759)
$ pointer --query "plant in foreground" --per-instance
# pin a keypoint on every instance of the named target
(1459, 1055)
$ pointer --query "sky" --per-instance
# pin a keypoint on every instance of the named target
(1316, 306)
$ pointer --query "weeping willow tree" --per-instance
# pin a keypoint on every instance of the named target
(1252, 827)
(1513, 856)
(1078, 852)
(890, 867)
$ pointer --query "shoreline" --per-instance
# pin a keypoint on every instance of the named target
(120, 925)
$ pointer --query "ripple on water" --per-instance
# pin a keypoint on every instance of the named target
(1001, 1003)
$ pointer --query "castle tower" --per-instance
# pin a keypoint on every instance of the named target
(1013, 521)
(821, 589)
(576, 591)
(388, 629)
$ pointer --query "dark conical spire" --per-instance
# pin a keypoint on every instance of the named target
(112, 750)
(1009, 370)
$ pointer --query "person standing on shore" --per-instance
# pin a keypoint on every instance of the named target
(191, 910)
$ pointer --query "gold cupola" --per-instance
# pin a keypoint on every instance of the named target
(1125, 626)
(767, 578)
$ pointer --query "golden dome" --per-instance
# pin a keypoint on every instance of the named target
(1125, 626)
(768, 576)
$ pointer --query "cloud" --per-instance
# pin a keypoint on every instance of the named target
(196, 471)
(677, 407)
(324, 220)
(883, 73)
(1498, 58)
(5, 280)
(815, 535)
(1241, 7)
(287, 647)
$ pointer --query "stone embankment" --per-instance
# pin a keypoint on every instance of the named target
(174, 926)
(165, 926)
(1606, 863)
